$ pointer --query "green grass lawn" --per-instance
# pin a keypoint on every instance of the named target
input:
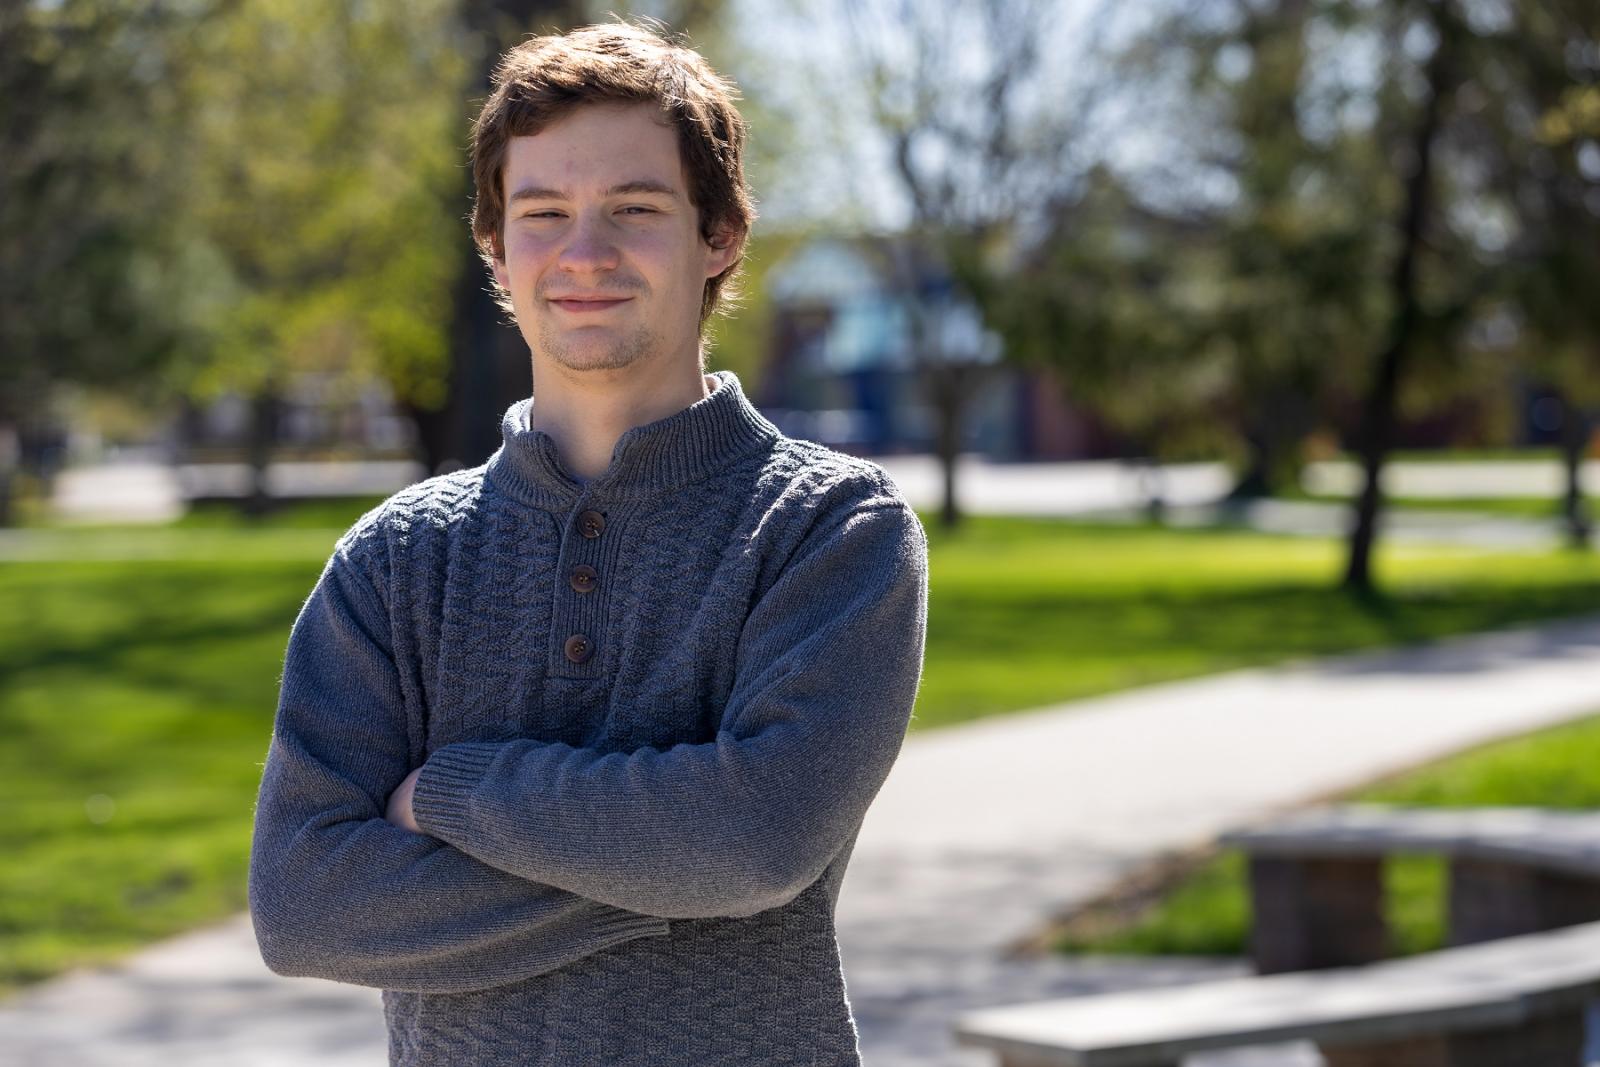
(1207, 911)
(1025, 612)
(138, 675)
(139, 694)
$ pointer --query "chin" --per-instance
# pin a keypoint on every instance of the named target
(610, 353)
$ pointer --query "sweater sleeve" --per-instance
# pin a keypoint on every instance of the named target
(336, 891)
(826, 673)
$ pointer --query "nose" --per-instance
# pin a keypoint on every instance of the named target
(590, 245)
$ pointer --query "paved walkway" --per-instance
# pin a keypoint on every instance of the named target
(143, 489)
(981, 835)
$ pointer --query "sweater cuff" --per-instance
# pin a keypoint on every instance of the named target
(441, 798)
(612, 926)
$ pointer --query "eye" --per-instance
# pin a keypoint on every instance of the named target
(542, 215)
(638, 209)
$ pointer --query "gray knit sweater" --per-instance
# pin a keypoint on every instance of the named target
(651, 711)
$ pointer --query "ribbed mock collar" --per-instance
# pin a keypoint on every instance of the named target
(654, 458)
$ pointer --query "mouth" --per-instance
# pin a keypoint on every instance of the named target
(587, 305)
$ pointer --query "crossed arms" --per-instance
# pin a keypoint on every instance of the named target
(535, 854)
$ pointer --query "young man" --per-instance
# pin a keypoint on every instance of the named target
(572, 748)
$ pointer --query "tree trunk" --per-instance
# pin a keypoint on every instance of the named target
(1378, 415)
(10, 458)
(436, 436)
(1274, 433)
(949, 401)
(1153, 484)
(1574, 448)
(1255, 481)
(258, 449)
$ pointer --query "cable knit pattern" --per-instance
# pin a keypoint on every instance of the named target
(650, 713)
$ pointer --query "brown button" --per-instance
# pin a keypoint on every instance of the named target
(583, 578)
(579, 648)
(591, 523)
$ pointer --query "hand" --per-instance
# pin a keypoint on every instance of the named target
(399, 810)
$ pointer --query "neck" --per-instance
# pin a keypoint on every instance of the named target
(585, 412)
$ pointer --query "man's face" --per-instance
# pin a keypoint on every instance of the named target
(603, 254)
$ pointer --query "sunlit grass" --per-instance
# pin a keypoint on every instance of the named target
(1026, 612)
(136, 702)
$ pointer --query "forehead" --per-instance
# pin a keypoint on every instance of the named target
(596, 146)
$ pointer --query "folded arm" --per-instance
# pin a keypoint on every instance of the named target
(336, 891)
(827, 670)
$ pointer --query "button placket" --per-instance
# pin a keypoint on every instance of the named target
(578, 608)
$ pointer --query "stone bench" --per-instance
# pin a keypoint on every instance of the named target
(1515, 1002)
(1316, 877)
(1512, 991)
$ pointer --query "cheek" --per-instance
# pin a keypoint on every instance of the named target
(521, 249)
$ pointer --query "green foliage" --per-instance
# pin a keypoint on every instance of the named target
(96, 263)
(327, 140)
(1555, 252)
(216, 195)
(1230, 294)
(1219, 299)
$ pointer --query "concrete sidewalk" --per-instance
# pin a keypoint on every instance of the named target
(982, 834)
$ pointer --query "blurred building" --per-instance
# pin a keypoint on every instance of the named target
(842, 370)
(313, 417)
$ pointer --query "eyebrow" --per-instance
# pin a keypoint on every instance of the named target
(630, 188)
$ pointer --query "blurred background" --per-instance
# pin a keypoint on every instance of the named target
(1246, 330)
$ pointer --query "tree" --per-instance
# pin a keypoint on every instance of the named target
(1548, 137)
(1496, 236)
(97, 277)
(1441, 79)
(1205, 297)
(1115, 299)
(1290, 293)
(320, 144)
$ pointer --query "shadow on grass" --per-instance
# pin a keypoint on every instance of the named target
(94, 617)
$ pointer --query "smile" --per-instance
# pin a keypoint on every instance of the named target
(589, 305)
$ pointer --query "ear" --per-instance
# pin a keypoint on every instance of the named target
(501, 276)
(722, 249)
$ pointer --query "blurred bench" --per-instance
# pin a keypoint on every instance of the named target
(1524, 923)
(1316, 877)
(1516, 1002)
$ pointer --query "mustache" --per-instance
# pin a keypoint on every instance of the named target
(555, 290)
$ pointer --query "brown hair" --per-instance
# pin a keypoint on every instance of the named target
(544, 79)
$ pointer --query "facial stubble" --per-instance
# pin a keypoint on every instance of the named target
(567, 349)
